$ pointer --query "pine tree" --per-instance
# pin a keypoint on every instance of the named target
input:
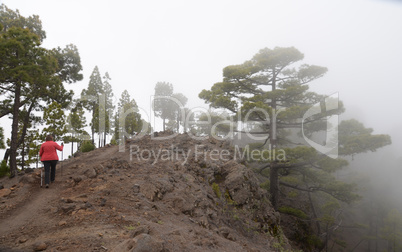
(129, 119)
(270, 91)
(162, 103)
(55, 122)
(178, 103)
(107, 106)
(75, 126)
(90, 99)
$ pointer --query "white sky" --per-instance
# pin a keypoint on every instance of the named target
(188, 43)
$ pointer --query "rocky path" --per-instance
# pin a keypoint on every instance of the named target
(107, 200)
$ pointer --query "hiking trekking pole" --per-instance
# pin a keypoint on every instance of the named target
(40, 177)
(61, 168)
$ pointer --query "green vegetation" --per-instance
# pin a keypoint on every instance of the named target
(392, 230)
(265, 185)
(129, 228)
(217, 191)
(87, 146)
(279, 244)
(292, 211)
(4, 169)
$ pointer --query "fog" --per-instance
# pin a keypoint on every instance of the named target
(188, 45)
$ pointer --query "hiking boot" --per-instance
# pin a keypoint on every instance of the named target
(47, 185)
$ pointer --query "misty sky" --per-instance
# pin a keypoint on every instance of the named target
(188, 44)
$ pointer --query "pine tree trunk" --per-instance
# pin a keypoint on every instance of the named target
(93, 126)
(72, 146)
(317, 223)
(14, 131)
(178, 120)
(93, 136)
(273, 173)
(24, 133)
(23, 156)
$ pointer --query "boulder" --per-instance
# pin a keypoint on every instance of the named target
(62, 223)
(4, 192)
(90, 173)
(40, 246)
(27, 179)
(28, 170)
(136, 188)
(140, 230)
(147, 243)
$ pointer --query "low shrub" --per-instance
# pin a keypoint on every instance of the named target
(4, 169)
(87, 146)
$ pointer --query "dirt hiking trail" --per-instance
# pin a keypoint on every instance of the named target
(148, 195)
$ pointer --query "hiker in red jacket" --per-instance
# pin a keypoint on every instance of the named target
(49, 158)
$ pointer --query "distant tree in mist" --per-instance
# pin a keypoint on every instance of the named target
(392, 230)
(169, 106)
(128, 117)
(177, 111)
(163, 106)
(116, 126)
(213, 123)
(90, 99)
(107, 106)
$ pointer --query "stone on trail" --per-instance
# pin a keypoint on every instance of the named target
(4, 192)
(40, 246)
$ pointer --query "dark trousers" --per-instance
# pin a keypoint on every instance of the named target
(50, 170)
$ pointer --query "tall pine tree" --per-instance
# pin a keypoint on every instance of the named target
(90, 99)
(129, 118)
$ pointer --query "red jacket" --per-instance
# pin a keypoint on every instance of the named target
(48, 151)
